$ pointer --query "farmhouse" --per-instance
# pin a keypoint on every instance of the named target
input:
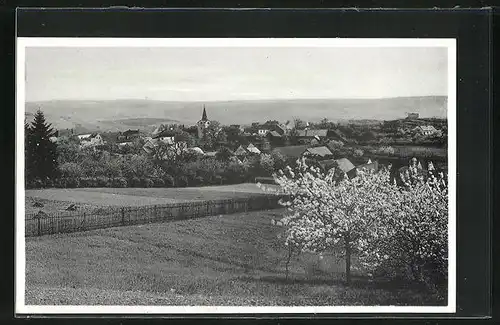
(210, 154)
(344, 164)
(412, 116)
(167, 136)
(240, 151)
(275, 138)
(310, 134)
(294, 152)
(426, 130)
(321, 152)
(129, 135)
(253, 149)
(90, 140)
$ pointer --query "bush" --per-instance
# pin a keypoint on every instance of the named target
(119, 182)
(334, 145)
(358, 153)
(71, 182)
(103, 182)
(158, 182)
(168, 180)
(92, 182)
(386, 150)
(199, 180)
(60, 183)
(134, 182)
(182, 181)
(48, 183)
(147, 182)
(37, 183)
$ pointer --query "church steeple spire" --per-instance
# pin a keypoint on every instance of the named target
(204, 116)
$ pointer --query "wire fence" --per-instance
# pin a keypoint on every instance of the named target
(46, 224)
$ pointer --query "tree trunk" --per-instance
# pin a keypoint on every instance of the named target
(347, 260)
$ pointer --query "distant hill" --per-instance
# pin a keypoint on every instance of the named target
(113, 115)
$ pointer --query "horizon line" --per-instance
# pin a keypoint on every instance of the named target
(231, 100)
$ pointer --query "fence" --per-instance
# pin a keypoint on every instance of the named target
(38, 225)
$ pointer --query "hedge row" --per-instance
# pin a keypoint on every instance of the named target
(101, 182)
(167, 181)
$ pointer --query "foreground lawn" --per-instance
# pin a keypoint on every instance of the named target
(221, 260)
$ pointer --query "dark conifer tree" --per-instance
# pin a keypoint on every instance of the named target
(41, 154)
(28, 152)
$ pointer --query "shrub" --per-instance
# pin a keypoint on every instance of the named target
(92, 182)
(103, 182)
(182, 181)
(158, 182)
(70, 170)
(334, 145)
(60, 183)
(135, 182)
(147, 182)
(72, 182)
(48, 183)
(119, 182)
(168, 180)
(358, 153)
(386, 150)
(37, 183)
(199, 180)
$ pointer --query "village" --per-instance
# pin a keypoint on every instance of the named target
(323, 144)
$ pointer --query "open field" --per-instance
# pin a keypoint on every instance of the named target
(220, 260)
(87, 199)
(426, 151)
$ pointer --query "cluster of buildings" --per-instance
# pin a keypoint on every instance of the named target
(268, 137)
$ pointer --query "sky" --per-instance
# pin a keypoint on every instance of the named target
(222, 74)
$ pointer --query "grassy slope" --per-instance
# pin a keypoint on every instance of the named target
(57, 200)
(221, 260)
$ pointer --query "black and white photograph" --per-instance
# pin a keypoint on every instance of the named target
(235, 175)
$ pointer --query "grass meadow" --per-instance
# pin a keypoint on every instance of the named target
(220, 260)
(56, 200)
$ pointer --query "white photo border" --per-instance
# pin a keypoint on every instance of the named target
(20, 262)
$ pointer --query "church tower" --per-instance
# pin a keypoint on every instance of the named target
(203, 123)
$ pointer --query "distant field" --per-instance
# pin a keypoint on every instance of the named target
(57, 200)
(222, 260)
(420, 150)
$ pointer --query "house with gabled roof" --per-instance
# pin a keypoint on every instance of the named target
(130, 134)
(240, 151)
(253, 149)
(426, 130)
(90, 140)
(343, 164)
(294, 152)
(321, 152)
(312, 133)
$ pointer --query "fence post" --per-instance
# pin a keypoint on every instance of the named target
(123, 216)
(84, 219)
(39, 227)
